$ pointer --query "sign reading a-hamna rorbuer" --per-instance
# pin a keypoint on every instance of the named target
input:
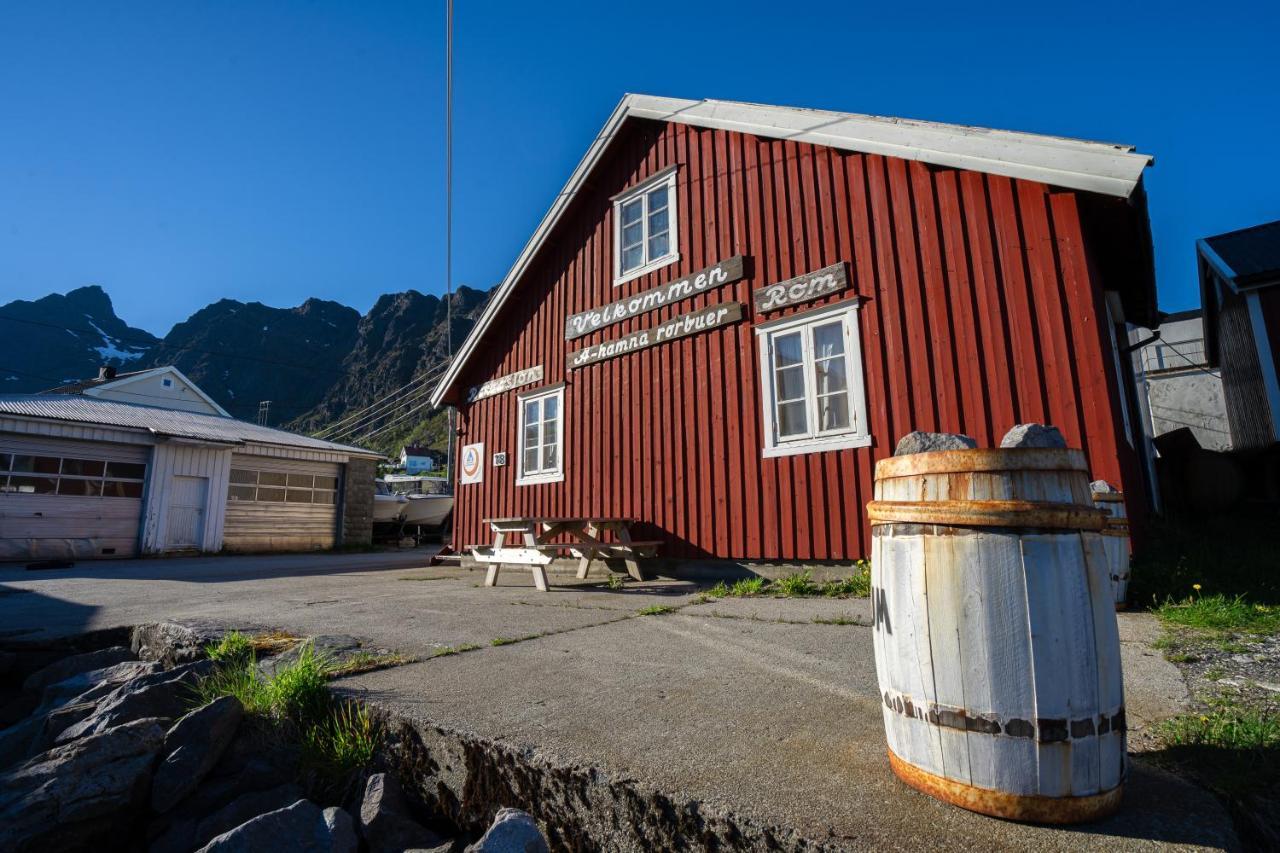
(702, 320)
(724, 272)
(505, 383)
(802, 288)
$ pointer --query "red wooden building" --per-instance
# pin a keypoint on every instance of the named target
(732, 311)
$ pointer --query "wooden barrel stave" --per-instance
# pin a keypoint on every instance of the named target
(978, 709)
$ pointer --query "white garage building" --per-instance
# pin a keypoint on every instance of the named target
(82, 476)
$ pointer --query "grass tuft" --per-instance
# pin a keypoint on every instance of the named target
(835, 620)
(747, 587)
(503, 641)
(655, 610)
(1220, 613)
(233, 649)
(340, 743)
(367, 662)
(798, 585)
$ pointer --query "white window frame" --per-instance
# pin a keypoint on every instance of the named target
(667, 177)
(552, 476)
(857, 433)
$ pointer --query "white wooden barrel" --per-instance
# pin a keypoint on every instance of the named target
(995, 633)
(1115, 539)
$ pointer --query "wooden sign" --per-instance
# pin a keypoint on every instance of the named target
(471, 464)
(615, 312)
(702, 320)
(505, 383)
(802, 288)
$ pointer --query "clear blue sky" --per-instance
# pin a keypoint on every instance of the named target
(179, 152)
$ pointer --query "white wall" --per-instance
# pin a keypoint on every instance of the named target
(172, 459)
(1182, 390)
(150, 391)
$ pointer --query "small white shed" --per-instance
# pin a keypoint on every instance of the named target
(82, 476)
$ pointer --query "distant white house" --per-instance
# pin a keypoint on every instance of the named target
(165, 387)
(1183, 390)
(419, 460)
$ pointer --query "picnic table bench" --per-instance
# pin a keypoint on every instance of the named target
(531, 546)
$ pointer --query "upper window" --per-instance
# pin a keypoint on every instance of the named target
(64, 475)
(542, 437)
(248, 484)
(644, 231)
(811, 370)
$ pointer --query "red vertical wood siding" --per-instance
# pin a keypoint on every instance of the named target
(982, 312)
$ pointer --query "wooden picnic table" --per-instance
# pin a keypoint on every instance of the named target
(527, 541)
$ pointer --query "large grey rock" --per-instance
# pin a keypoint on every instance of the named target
(300, 828)
(193, 832)
(331, 648)
(76, 664)
(93, 685)
(1034, 435)
(76, 796)
(165, 694)
(927, 442)
(174, 643)
(512, 831)
(385, 822)
(192, 748)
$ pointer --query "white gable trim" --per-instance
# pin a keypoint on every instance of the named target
(96, 390)
(1099, 167)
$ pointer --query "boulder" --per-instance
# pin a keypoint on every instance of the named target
(76, 664)
(300, 828)
(196, 831)
(76, 796)
(333, 648)
(93, 685)
(174, 643)
(512, 831)
(927, 442)
(385, 822)
(1034, 435)
(164, 695)
(192, 748)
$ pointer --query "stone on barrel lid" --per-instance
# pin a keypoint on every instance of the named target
(1034, 435)
(927, 442)
(1102, 487)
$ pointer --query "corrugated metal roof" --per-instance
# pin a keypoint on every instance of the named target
(165, 422)
(1253, 254)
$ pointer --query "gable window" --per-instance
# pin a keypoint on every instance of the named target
(541, 436)
(644, 227)
(811, 372)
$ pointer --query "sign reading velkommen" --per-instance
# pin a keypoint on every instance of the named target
(702, 320)
(726, 271)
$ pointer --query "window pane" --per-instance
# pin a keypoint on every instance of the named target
(530, 460)
(301, 481)
(531, 435)
(658, 198)
(34, 485)
(549, 457)
(659, 245)
(833, 412)
(299, 496)
(831, 376)
(80, 488)
(272, 478)
(5, 459)
(659, 220)
(632, 258)
(24, 463)
(326, 482)
(791, 419)
(828, 340)
(632, 235)
(121, 489)
(550, 432)
(787, 349)
(244, 476)
(271, 495)
(126, 470)
(240, 493)
(531, 410)
(322, 497)
(83, 467)
(631, 211)
(790, 383)
(551, 408)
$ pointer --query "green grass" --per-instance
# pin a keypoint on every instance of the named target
(835, 620)
(799, 585)
(1220, 613)
(615, 581)
(655, 610)
(796, 585)
(747, 587)
(445, 651)
(367, 662)
(341, 743)
(503, 641)
(234, 648)
(1232, 748)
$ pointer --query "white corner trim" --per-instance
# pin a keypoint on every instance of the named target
(1266, 359)
(1110, 169)
(536, 479)
(817, 445)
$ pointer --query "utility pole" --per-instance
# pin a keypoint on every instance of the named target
(448, 220)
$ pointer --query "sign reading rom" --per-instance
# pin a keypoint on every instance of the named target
(702, 320)
(615, 312)
(505, 383)
(802, 288)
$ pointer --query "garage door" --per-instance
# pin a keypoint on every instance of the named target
(281, 505)
(69, 499)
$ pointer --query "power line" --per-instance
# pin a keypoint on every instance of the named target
(358, 414)
(368, 422)
(388, 426)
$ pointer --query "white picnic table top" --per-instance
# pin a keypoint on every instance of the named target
(536, 549)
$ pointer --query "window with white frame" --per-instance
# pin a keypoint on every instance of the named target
(811, 371)
(644, 230)
(542, 436)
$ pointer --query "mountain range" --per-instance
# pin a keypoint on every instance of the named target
(319, 363)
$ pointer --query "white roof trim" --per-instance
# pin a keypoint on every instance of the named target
(1099, 167)
(96, 390)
